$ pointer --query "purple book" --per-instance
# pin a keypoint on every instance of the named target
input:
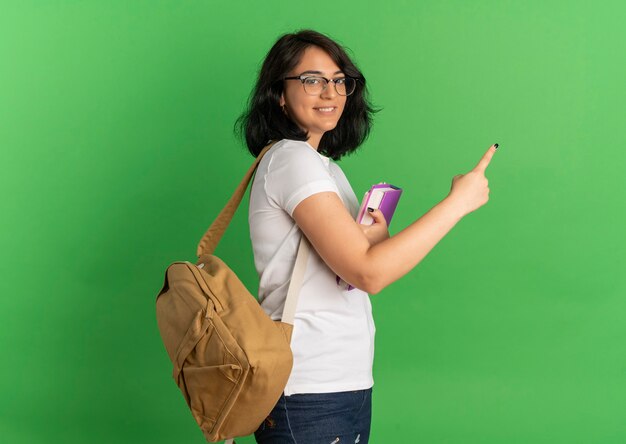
(382, 196)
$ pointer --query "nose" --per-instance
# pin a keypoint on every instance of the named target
(329, 91)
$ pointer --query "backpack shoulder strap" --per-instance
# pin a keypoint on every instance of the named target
(297, 276)
(212, 237)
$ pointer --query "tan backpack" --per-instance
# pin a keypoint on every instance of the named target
(231, 361)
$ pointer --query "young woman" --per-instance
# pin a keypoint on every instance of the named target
(312, 100)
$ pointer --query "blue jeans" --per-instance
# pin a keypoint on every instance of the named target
(319, 418)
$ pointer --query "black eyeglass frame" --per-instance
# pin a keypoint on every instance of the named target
(303, 77)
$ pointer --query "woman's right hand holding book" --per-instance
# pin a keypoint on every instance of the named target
(378, 231)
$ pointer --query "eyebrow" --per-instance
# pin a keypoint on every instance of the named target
(319, 72)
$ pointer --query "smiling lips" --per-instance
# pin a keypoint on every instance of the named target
(326, 110)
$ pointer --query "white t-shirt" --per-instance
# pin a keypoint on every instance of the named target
(333, 335)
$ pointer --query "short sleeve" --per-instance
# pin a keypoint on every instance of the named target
(295, 172)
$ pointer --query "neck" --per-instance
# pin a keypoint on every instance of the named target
(314, 141)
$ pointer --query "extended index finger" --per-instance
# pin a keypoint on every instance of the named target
(484, 161)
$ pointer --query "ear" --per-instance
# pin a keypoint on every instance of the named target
(282, 99)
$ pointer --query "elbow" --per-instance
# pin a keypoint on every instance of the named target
(374, 289)
(371, 284)
(365, 275)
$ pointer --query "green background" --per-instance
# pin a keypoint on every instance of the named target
(116, 123)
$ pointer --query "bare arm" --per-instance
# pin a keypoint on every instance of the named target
(344, 247)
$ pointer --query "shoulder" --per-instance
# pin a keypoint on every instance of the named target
(335, 169)
(293, 152)
(293, 147)
(295, 171)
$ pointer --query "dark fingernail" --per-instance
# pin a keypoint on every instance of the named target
(496, 145)
(370, 209)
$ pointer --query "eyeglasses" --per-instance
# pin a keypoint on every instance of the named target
(314, 85)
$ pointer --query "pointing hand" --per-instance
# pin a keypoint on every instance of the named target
(471, 191)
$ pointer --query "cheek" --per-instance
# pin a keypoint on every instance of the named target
(292, 96)
(305, 101)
